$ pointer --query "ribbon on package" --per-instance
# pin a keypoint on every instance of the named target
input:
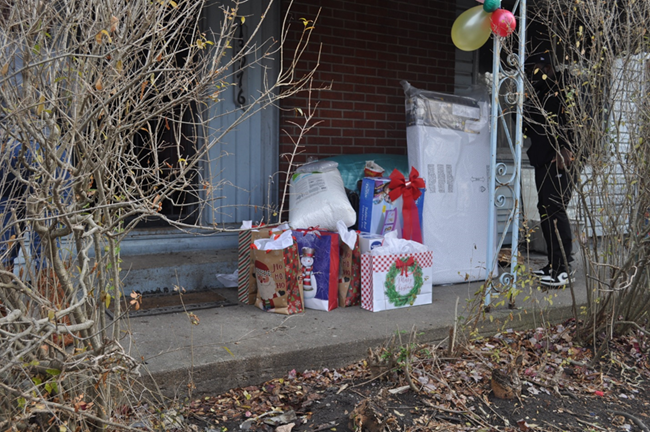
(409, 190)
(403, 266)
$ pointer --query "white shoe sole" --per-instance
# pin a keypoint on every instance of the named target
(562, 280)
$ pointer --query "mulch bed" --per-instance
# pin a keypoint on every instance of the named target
(412, 387)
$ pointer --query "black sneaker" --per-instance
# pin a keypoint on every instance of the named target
(558, 279)
(544, 271)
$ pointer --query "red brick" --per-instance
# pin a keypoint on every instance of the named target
(375, 133)
(324, 151)
(364, 124)
(354, 150)
(352, 133)
(368, 47)
(342, 124)
(328, 132)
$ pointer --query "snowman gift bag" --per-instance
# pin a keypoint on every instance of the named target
(319, 266)
(277, 272)
(396, 275)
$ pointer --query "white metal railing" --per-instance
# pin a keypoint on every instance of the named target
(502, 73)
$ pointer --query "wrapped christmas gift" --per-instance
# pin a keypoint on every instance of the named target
(349, 267)
(396, 275)
(319, 266)
(277, 271)
(381, 208)
(410, 191)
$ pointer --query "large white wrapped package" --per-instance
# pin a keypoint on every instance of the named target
(448, 141)
(317, 198)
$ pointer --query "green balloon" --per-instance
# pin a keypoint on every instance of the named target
(490, 6)
(471, 29)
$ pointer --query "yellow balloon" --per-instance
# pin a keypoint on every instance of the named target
(471, 29)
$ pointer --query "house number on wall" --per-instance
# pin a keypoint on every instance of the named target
(240, 39)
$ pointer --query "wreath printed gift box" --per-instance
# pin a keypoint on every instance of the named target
(396, 280)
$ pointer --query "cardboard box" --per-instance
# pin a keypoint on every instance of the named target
(368, 242)
(455, 163)
(377, 213)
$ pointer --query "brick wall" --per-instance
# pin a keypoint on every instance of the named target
(367, 47)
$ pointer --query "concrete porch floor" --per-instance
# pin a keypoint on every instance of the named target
(240, 345)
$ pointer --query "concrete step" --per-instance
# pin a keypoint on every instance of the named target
(189, 270)
(240, 345)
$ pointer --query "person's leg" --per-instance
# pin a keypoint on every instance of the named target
(555, 188)
(559, 197)
(541, 182)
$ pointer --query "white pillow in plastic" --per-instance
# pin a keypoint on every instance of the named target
(317, 198)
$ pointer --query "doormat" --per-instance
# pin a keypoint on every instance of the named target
(165, 303)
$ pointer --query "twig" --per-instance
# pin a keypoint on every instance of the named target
(407, 372)
(467, 413)
(407, 361)
(449, 418)
(374, 378)
(635, 419)
(503, 419)
(590, 424)
(452, 332)
(439, 408)
(566, 263)
(553, 426)
(326, 426)
(638, 327)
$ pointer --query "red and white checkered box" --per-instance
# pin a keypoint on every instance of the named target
(396, 281)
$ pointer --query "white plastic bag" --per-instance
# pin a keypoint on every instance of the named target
(318, 198)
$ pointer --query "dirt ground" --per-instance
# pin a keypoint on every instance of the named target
(406, 386)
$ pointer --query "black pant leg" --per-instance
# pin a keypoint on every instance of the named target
(554, 189)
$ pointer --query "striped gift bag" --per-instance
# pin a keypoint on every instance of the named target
(244, 294)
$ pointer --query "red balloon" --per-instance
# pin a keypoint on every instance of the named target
(503, 22)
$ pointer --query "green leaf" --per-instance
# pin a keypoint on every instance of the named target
(53, 372)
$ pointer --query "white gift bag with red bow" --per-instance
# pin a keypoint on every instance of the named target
(396, 280)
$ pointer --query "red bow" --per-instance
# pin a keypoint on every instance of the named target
(403, 266)
(410, 191)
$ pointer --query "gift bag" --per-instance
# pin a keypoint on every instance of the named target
(319, 259)
(395, 280)
(277, 272)
(246, 283)
(349, 267)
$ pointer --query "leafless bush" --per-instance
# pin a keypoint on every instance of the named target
(602, 49)
(92, 93)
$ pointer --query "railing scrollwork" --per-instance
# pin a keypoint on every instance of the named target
(507, 88)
